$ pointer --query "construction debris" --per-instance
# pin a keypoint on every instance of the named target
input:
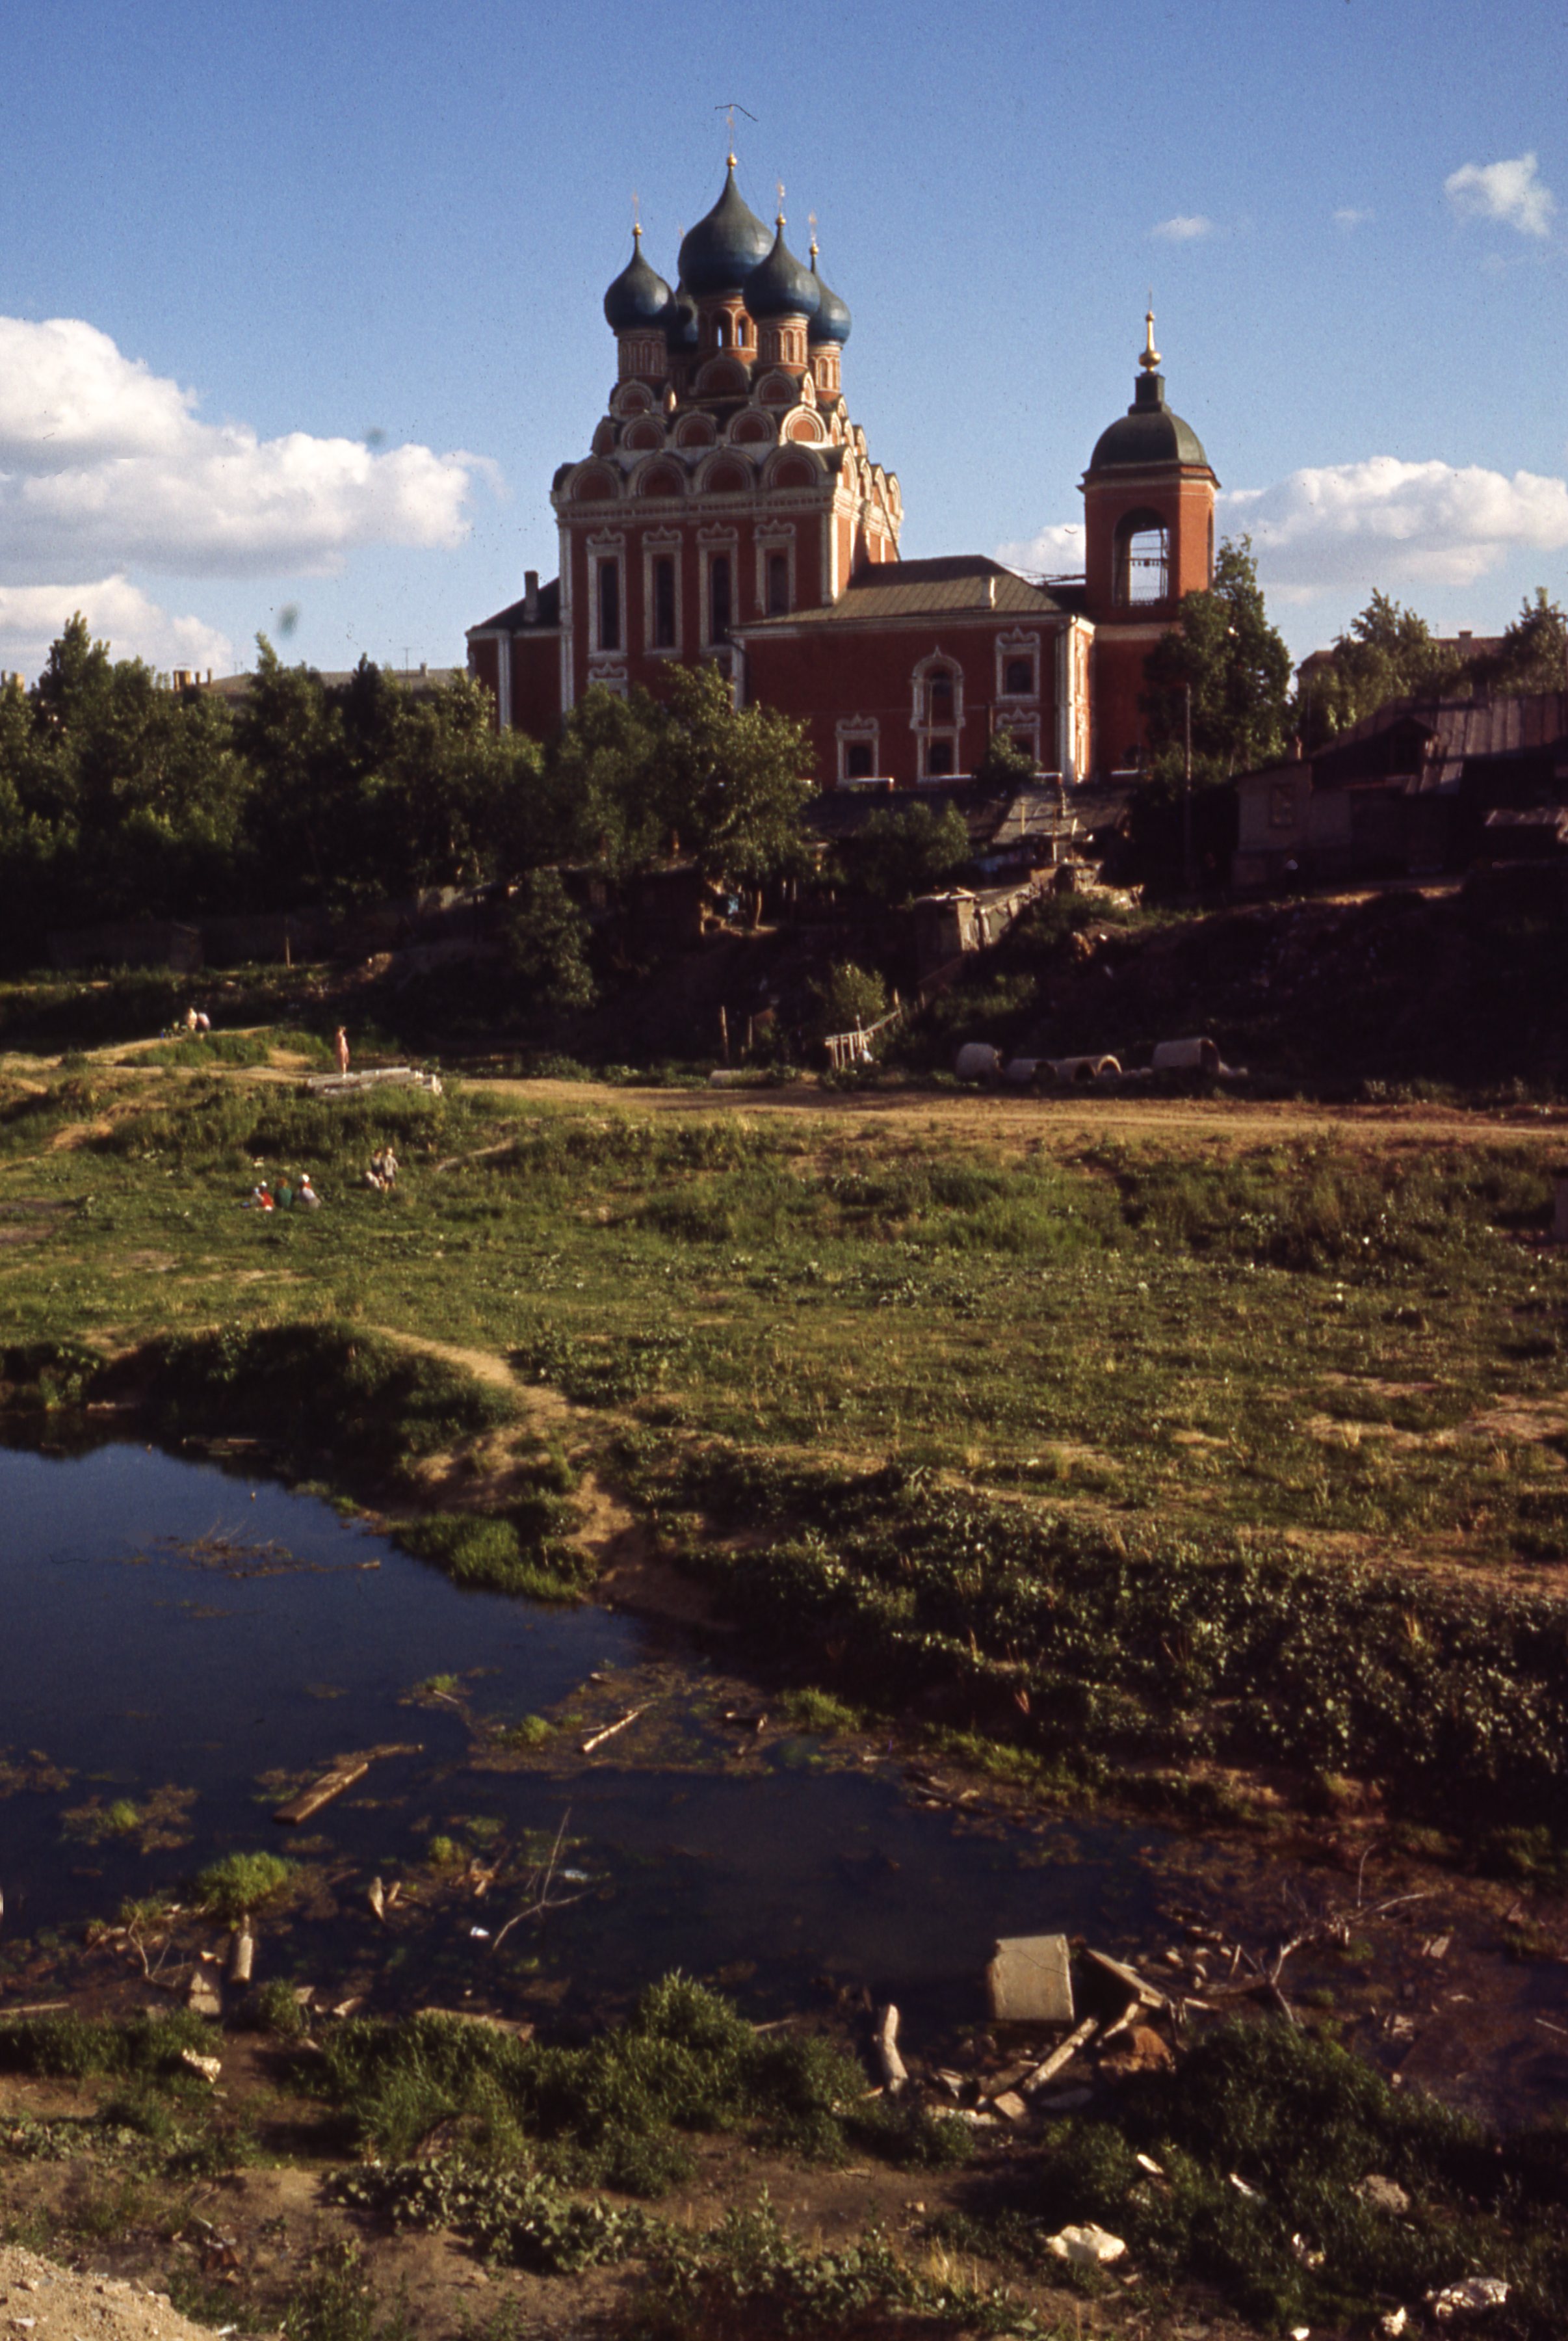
(209, 2068)
(894, 2073)
(597, 1739)
(1030, 1980)
(1059, 2058)
(1148, 1994)
(320, 1792)
(1086, 2246)
(1471, 2293)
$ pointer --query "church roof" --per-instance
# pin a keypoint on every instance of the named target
(1148, 432)
(514, 617)
(959, 585)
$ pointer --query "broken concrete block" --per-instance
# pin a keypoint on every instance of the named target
(1086, 2247)
(1010, 2105)
(1382, 2194)
(1030, 1980)
(202, 1998)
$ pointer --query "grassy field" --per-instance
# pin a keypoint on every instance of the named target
(1005, 1387)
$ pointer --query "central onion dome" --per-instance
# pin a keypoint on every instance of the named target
(831, 323)
(781, 286)
(638, 296)
(1148, 432)
(722, 251)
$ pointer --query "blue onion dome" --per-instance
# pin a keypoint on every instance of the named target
(680, 328)
(780, 286)
(832, 321)
(638, 296)
(720, 251)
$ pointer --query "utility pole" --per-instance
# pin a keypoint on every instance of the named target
(1187, 791)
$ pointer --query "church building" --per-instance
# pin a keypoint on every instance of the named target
(729, 508)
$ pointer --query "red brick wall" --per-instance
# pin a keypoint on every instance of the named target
(823, 673)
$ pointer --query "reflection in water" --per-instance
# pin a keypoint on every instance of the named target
(177, 1638)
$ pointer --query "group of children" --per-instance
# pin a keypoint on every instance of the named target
(291, 1195)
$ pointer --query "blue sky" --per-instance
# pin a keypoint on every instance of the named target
(299, 305)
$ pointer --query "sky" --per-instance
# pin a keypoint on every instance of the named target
(300, 305)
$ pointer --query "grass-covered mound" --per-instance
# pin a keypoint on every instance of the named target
(1104, 1642)
(309, 1390)
(615, 2112)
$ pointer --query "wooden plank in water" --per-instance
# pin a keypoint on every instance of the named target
(321, 1792)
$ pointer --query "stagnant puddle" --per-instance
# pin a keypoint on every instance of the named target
(182, 1646)
(187, 1642)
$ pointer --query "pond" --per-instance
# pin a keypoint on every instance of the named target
(182, 1642)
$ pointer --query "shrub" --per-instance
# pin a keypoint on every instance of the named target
(242, 1883)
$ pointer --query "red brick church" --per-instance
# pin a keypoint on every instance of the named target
(729, 509)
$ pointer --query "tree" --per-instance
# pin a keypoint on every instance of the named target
(847, 996)
(1238, 672)
(547, 938)
(637, 778)
(897, 855)
(1533, 652)
(1003, 763)
(1388, 652)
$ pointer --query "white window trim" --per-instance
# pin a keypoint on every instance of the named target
(771, 540)
(611, 548)
(1016, 645)
(853, 730)
(711, 542)
(664, 544)
(927, 733)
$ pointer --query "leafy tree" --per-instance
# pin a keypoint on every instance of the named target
(1533, 652)
(635, 780)
(1238, 669)
(1003, 763)
(547, 940)
(1388, 652)
(847, 996)
(900, 854)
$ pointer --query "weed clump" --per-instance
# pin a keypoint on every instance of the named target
(523, 1554)
(75, 2047)
(612, 2113)
(243, 1882)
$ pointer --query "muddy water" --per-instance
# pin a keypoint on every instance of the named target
(189, 1639)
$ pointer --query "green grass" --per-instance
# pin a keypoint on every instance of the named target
(242, 1883)
(1302, 2124)
(1225, 1384)
(617, 2111)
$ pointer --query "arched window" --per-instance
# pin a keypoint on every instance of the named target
(938, 760)
(1142, 559)
(777, 584)
(723, 333)
(608, 605)
(1018, 678)
(939, 696)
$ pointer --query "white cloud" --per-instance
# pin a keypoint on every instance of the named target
(104, 465)
(1383, 522)
(1512, 192)
(1057, 550)
(32, 616)
(1349, 217)
(1185, 228)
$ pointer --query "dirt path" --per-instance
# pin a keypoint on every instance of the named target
(44, 2302)
(1066, 1119)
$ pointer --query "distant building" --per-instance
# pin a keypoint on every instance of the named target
(1418, 788)
(729, 508)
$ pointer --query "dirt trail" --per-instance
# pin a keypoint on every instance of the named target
(44, 2302)
(1066, 1119)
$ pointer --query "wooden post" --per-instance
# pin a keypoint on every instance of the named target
(724, 1031)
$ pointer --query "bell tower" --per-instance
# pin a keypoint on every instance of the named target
(1148, 517)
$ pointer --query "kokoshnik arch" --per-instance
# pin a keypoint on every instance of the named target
(729, 509)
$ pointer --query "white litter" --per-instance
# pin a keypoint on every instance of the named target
(1471, 2292)
(1394, 2322)
(1147, 2162)
(1088, 2246)
(1243, 2188)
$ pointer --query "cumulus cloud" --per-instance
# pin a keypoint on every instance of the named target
(1383, 522)
(1186, 227)
(105, 466)
(1055, 551)
(1349, 217)
(1512, 192)
(32, 616)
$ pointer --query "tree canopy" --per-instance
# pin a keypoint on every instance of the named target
(1237, 668)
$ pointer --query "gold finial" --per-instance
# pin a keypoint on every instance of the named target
(812, 216)
(1151, 356)
(730, 110)
(636, 213)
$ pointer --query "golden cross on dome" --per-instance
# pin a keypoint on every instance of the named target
(637, 214)
(730, 109)
(811, 218)
(1150, 359)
